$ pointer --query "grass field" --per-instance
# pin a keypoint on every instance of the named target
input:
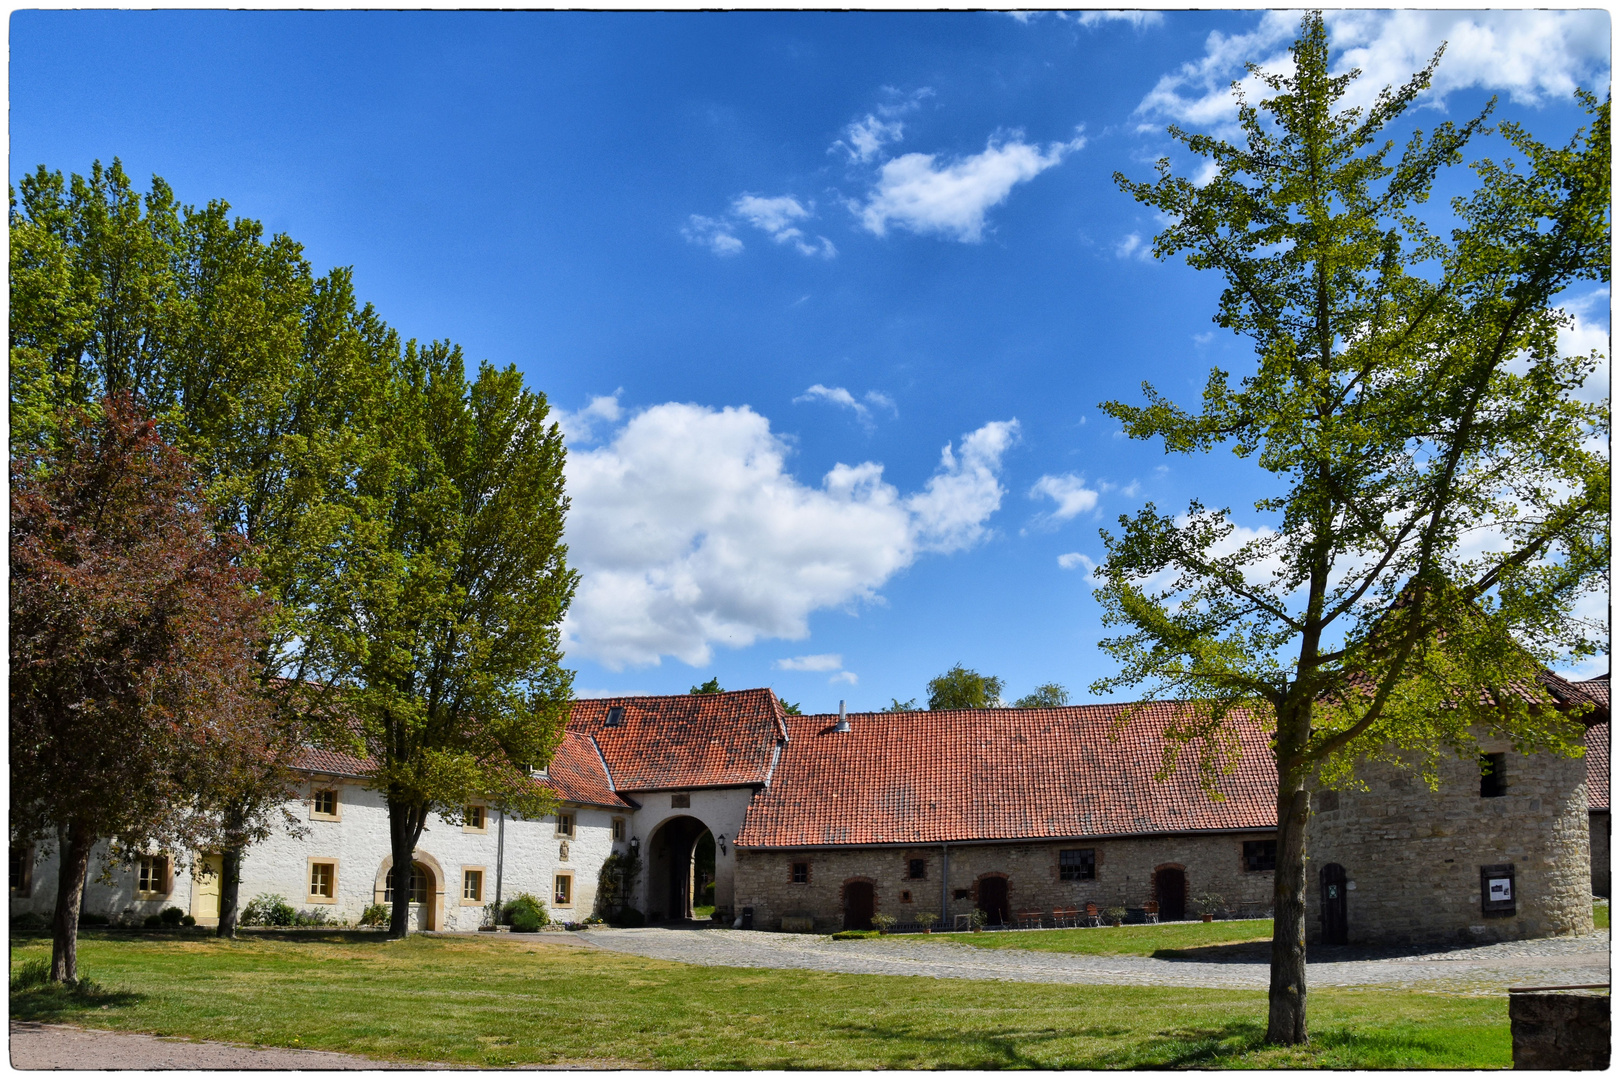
(1600, 914)
(504, 1001)
(1161, 939)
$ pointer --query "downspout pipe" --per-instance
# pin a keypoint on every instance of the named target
(500, 858)
(945, 886)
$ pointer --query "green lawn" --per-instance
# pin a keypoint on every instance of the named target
(1144, 940)
(498, 1001)
(1600, 914)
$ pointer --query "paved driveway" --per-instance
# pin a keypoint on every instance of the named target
(1481, 969)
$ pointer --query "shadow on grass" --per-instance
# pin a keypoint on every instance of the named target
(46, 1002)
(1242, 952)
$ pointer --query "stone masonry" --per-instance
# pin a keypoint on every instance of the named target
(1413, 857)
(1124, 876)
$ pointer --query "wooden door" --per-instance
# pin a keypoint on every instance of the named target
(993, 901)
(1335, 911)
(208, 875)
(1170, 890)
(859, 905)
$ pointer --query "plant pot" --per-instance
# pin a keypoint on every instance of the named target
(1116, 922)
(978, 929)
(1209, 918)
(928, 929)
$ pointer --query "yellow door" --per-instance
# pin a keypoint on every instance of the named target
(209, 873)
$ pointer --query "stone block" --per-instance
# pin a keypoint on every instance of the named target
(1560, 1029)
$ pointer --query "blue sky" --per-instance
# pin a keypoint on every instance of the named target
(770, 266)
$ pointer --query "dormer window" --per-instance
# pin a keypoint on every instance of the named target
(615, 716)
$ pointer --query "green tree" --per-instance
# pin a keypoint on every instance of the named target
(264, 375)
(964, 688)
(1046, 696)
(710, 687)
(449, 595)
(1440, 491)
(791, 708)
(896, 705)
(133, 631)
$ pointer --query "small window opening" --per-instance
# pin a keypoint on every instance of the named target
(1492, 776)
(1077, 864)
(472, 885)
(326, 803)
(1259, 855)
(801, 873)
(321, 875)
(615, 716)
(475, 817)
(905, 896)
(563, 895)
(565, 824)
(618, 828)
(960, 894)
(917, 869)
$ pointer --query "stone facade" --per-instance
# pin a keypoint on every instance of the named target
(1124, 868)
(1412, 858)
(355, 843)
(1599, 832)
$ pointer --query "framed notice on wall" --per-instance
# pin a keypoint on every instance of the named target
(1497, 890)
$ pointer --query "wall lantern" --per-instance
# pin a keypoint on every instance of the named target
(721, 840)
(635, 845)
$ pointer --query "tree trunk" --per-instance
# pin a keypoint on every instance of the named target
(72, 869)
(1286, 1026)
(230, 889)
(404, 830)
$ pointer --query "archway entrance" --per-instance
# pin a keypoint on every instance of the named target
(993, 901)
(674, 875)
(1170, 889)
(1335, 906)
(860, 904)
(421, 898)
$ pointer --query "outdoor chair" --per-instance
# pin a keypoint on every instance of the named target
(1065, 916)
(1093, 916)
(1029, 920)
(1150, 911)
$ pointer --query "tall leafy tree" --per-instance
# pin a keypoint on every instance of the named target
(1439, 487)
(263, 374)
(1046, 696)
(447, 601)
(133, 636)
(963, 688)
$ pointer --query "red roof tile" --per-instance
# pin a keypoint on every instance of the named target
(1597, 746)
(685, 740)
(996, 774)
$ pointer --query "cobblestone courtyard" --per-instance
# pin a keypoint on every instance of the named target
(1489, 969)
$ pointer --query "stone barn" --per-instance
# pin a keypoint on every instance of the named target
(1499, 851)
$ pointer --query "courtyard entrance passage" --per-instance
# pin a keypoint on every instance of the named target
(860, 904)
(1170, 889)
(673, 874)
(993, 901)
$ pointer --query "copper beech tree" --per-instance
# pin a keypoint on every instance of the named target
(1436, 498)
(134, 629)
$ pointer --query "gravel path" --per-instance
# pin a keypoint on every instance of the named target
(57, 1046)
(1489, 969)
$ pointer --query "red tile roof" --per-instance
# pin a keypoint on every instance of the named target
(996, 774)
(1597, 746)
(685, 740)
(575, 775)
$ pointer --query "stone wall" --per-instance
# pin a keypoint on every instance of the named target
(1124, 875)
(1412, 857)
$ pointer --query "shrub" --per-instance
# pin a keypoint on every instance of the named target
(188, 920)
(925, 919)
(1208, 903)
(32, 973)
(375, 915)
(317, 917)
(90, 918)
(171, 916)
(526, 913)
(29, 923)
(883, 923)
(152, 922)
(1114, 914)
(977, 918)
(269, 909)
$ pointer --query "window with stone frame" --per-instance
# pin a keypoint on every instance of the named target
(324, 804)
(22, 869)
(565, 824)
(800, 873)
(618, 828)
(322, 879)
(1492, 776)
(917, 869)
(477, 818)
(562, 893)
(1077, 864)
(152, 876)
(472, 885)
(1259, 855)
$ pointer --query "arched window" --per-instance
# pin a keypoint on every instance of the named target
(419, 885)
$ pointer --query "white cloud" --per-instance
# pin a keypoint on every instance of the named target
(845, 677)
(713, 234)
(1073, 560)
(688, 531)
(915, 193)
(1137, 19)
(1068, 491)
(818, 662)
(1133, 246)
(1531, 55)
(773, 215)
(865, 137)
(1588, 332)
(862, 407)
(579, 426)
